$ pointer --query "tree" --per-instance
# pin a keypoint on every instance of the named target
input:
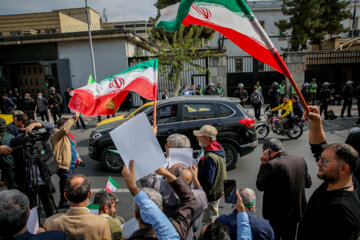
(313, 19)
(173, 56)
(305, 22)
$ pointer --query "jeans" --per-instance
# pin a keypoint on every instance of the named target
(324, 107)
(64, 174)
(44, 193)
(211, 212)
(82, 123)
(43, 115)
(257, 110)
(280, 124)
(347, 104)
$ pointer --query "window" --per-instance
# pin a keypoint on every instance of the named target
(238, 64)
(119, 26)
(15, 33)
(261, 66)
(197, 111)
(140, 25)
(282, 32)
(140, 31)
(262, 23)
(50, 31)
(167, 114)
(225, 111)
(129, 25)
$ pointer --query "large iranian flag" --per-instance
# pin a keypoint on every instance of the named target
(233, 19)
(105, 97)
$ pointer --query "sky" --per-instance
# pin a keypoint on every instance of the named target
(116, 10)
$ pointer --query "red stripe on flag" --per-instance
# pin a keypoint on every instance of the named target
(108, 190)
(247, 44)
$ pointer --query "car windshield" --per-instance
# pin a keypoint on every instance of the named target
(138, 111)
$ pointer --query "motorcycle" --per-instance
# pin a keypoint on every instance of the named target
(293, 130)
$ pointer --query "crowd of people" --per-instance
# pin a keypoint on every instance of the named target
(170, 201)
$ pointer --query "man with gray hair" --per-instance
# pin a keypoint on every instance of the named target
(260, 228)
(283, 178)
(171, 201)
(14, 213)
(107, 202)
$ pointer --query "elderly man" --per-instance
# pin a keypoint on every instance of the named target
(260, 228)
(14, 213)
(107, 202)
(152, 222)
(171, 201)
(283, 178)
(335, 205)
(78, 222)
(212, 170)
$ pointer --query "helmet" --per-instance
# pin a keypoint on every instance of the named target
(210, 84)
(326, 84)
(52, 89)
(349, 82)
(306, 84)
(2, 125)
(275, 84)
(240, 85)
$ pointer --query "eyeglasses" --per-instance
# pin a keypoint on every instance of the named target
(324, 163)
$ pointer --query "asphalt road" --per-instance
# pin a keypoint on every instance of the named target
(245, 172)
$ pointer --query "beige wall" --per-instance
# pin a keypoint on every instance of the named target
(69, 24)
(80, 15)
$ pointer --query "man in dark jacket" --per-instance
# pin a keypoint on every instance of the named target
(9, 105)
(242, 94)
(42, 105)
(348, 94)
(334, 207)
(210, 90)
(55, 102)
(283, 178)
(325, 98)
(212, 170)
(298, 110)
(357, 95)
(29, 106)
(274, 95)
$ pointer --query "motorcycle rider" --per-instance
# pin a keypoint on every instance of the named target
(286, 113)
(242, 94)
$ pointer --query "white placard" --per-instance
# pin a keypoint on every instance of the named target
(130, 227)
(181, 155)
(135, 140)
(33, 221)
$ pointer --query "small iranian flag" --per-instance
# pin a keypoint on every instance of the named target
(233, 19)
(111, 185)
(105, 97)
(94, 208)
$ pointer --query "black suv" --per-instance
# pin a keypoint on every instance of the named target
(236, 131)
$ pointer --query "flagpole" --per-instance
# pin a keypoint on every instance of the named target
(154, 122)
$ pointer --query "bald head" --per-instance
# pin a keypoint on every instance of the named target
(180, 169)
(77, 188)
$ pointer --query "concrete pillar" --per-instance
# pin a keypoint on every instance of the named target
(296, 64)
(218, 70)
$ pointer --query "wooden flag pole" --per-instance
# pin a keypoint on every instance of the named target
(298, 92)
(154, 121)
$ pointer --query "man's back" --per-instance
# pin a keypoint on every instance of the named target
(79, 223)
(283, 180)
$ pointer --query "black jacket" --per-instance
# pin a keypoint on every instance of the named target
(274, 97)
(325, 95)
(243, 94)
(348, 93)
(283, 180)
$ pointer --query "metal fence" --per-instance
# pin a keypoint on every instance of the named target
(191, 76)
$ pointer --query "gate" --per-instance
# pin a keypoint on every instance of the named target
(247, 70)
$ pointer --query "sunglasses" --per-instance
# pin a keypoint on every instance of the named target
(324, 163)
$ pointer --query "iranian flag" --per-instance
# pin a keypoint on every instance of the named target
(111, 185)
(105, 97)
(233, 19)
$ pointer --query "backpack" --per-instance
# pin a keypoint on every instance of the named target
(331, 115)
(47, 159)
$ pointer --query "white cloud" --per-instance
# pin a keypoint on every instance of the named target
(116, 10)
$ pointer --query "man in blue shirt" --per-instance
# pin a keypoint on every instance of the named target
(260, 228)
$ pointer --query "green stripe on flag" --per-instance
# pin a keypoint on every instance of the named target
(112, 181)
(93, 206)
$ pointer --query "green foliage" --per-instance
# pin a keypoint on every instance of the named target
(182, 50)
(312, 20)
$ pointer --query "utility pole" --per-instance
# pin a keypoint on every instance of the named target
(354, 18)
(91, 46)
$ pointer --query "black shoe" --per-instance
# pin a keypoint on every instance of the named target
(326, 118)
(349, 116)
(64, 205)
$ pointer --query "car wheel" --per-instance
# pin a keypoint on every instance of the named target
(111, 160)
(231, 155)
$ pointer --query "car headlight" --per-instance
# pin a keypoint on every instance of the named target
(96, 135)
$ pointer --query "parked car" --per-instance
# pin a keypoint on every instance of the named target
(236, 131)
